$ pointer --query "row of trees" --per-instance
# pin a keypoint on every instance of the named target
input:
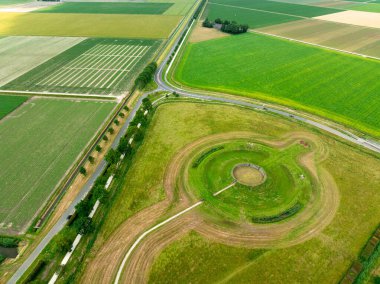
(226, 26)
(146, 75)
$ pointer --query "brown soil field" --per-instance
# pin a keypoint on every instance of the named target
(358, 18)
(248, 176)
(202, 34)
(346, 37)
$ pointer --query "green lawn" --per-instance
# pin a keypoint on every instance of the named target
(278, 7)
(282, 190)
(10, 103)
(73, 71)
(38, 145)
(327, 83)
(107, 8)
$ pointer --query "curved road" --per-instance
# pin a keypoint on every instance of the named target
(160, 79)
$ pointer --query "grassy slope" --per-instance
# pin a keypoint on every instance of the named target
(254, 19)
(38, 145)
(9, 103)
(87, 25)
(107, 8)
(192, 260)
(282, 189)
(29, 81)
(327, 83)
(277, 7)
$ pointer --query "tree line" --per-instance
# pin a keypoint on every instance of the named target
(226, 26)
(146, 75)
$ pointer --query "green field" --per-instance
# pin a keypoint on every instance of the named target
(195, 259)
(88, 25)
(262, 13)
(13, 2)
(327, 83)
(278, 7)
(107, 8)
(38, 145)
(253, 18)
(371, 7)
(95, 66)
(10, 103)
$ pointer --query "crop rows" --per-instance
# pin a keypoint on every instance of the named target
(103, 66)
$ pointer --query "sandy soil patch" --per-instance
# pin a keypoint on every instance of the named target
(358, 18)
(202, 34)
(247, 175)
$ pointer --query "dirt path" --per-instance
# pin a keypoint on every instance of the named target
(314, 218)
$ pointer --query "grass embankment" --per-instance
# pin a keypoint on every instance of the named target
(326, 83)
(107, 8)
(10, 103)
(336, 246)
(282, 190)
(88, 25)
(38, 145)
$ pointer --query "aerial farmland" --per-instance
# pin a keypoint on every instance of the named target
(190, 141)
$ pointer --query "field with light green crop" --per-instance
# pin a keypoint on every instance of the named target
(323, 82)
(10, 103)
(39, 143)
(88, 25)
(107, 8)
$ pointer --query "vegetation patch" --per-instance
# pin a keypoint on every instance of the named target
(10, 103)
(107, 8)
(204, 156)
(95, 66)
(47, 137)
(300, 76)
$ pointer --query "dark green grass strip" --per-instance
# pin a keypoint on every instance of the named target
(334, 85)
(108, 8)
(279, 7)
(10, 103)
(254, 19)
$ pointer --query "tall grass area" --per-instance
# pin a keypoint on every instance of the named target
(10, 103)
(323, 82)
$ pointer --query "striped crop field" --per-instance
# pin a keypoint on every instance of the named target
(103, 67)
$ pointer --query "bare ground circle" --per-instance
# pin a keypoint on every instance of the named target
(249, 174)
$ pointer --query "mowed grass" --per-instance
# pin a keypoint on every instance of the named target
(10, 103)
(278, 7)
(88, 25)
(107, 8)
(326, 83)
(197, 260)
(95, 66)
(39, 143)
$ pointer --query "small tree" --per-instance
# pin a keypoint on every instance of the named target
(91, 159)
(84, 225)
(218, 21)
(121, 114)
(112, 156)
(105, 138)
(126, 108)
(98, 148)
(116, 122)
(82, 170)
(111, 130)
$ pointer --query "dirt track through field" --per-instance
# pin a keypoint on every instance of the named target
(305, 225)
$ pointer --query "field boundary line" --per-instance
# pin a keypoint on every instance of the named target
(317, 45)
(259, 10)
(54, 94)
